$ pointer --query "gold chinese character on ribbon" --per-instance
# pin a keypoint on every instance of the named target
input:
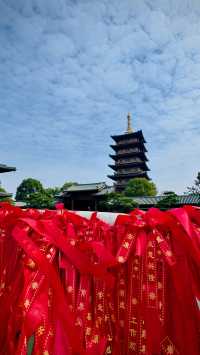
(69, 289)
(121, 259)
(122, 305)
(40, 331)
(152, 296)
(151, 277)
(88, 331)
(122, 293)
(134, 301)
(89, 316)
(95, 339)
(26, 303)
(34, 285)
(126, 245)
(83, 292)
(100, 295)
(133, 332)
(81, 306)
(132, 346)
(100, 307)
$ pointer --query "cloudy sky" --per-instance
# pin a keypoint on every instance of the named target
(70, 70)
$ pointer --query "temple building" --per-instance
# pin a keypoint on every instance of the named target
(129, 162)
(84, 197)
(129, 158)
(4, 169)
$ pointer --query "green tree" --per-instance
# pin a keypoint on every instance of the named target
(170, 200)
(195, 189)
(67, 184)
(140, 187)
(5, 199)
(41, 199)
(54, 191)
(28, 187)
(116, 202)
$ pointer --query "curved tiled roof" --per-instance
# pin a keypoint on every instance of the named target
(86, 187)
(192, 199)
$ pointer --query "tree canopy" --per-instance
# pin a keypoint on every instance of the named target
(170, 200)
(5, 199)
(28, 187)
(54, 191)
(68, 184)
(117, 202)
(195, 189)
(41, 199)
(140, 187)
(32, 192)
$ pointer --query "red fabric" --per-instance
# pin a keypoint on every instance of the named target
(81, 286)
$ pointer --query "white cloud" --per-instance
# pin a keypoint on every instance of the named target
(70, 71)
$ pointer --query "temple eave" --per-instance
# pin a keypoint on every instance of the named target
(118, 167)
(124, 136)
(117, 147)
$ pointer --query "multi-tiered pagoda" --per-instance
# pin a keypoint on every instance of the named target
(129, 158)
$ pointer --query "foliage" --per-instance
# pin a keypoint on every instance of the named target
(170, 200)
(41, 199)
(54, 191)
(117, 202)
(35, 195)
(195, 189)
(26, 188)
(68, 184)
(5, 199)
(140, 187)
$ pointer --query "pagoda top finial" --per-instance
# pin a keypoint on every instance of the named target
(129, 128)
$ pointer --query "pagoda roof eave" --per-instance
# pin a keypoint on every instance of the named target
(117, 147)
(129, 176)
(128, 165)
(139, 133)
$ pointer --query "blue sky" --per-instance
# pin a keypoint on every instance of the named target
(70, 70)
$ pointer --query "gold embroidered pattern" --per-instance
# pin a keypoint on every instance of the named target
(40, 330)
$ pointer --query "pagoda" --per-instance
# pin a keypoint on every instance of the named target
(129, 158)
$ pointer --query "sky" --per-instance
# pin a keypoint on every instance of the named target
(70, 70)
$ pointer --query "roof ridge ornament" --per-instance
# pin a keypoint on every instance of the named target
(129, 128)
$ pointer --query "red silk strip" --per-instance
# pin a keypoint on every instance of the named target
(66, 316)
(75, 286)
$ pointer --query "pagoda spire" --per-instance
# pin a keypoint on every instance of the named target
(129, 128)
